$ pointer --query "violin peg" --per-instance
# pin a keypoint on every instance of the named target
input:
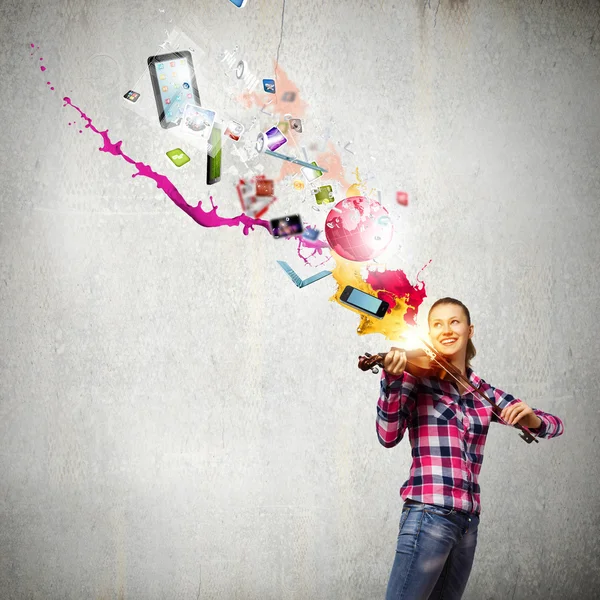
(368, 355)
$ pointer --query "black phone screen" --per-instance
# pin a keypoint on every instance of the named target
(286, 226)
(213, 165)
(174, 85)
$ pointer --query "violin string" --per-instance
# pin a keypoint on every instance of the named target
(477, 390)
(449, 371)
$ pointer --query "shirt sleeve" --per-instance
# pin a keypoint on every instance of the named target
(397, 399)
(551, 426)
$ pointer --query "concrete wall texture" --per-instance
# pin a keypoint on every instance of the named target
(179, 421)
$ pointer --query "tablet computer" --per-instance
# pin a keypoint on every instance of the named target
(174, 84)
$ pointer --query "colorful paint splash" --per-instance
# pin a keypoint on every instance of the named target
(390, 286)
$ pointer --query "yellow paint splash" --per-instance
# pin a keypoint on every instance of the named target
(392, 326)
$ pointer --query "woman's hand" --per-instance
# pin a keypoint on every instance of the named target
(519, 412)
(394, 361)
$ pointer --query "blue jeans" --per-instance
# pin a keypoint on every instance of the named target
(434, 553)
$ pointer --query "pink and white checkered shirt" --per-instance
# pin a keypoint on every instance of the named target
(447, 434)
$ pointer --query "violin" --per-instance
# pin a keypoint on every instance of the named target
(429, 363)
(418, 364)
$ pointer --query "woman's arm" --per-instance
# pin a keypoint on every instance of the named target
(514, 410)
(397, 399)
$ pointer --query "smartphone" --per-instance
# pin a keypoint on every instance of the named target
(174, 84)
(213, 164)
(286, 226)
(364, 302)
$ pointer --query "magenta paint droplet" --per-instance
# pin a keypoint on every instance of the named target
(80, 131)
(52, 88)
(42, 68)
(33, 45)
(41, 59)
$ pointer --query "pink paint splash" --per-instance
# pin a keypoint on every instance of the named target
(202, 217)
(390, 285)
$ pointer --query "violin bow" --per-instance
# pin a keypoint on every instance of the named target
(525, 434)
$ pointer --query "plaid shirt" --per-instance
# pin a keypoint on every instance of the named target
(447, 434)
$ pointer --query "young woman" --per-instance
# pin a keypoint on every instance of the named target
(447, 428)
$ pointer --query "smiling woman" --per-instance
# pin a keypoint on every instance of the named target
(448, 428)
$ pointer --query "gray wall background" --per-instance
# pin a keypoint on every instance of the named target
(159, 438)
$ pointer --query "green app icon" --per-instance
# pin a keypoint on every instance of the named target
(178, 157)
(324, 194)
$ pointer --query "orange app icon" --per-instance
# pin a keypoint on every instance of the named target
(165, 88)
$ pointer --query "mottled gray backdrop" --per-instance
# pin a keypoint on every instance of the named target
(179, 421)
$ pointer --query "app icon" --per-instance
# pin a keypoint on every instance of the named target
(275, 139)
(311, 174)
(234, 130)
(174, 74)
(132, 96)
(269, 86)
(167, 101)
(169, 113)
(178, 157)
(186, 85)
(288, 96)
(402, 198)
(296, 125)
(310, 234)
(161, 66)
(198, 121)
(176, 85)
(182, 61)
(163, 76)
(189, 95)
(324, 194)
(172, 63)
(178, 97)
(181, 109)
(264, 186)
(165, 88)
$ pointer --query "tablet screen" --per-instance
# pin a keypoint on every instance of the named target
(174, 84)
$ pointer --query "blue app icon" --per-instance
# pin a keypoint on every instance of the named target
(269, 86)
(186, 85)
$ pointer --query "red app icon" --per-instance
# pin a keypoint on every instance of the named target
(167, 101)
(172, 63)
(402, 198)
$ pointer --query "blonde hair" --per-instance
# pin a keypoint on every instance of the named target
(471, 352)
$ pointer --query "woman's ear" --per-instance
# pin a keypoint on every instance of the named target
(471, 329)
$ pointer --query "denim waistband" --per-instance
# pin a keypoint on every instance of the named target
(412, 502)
